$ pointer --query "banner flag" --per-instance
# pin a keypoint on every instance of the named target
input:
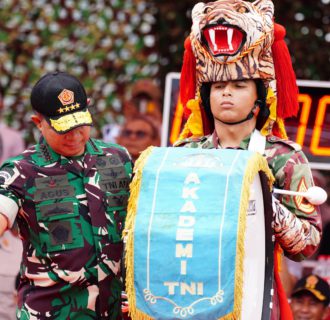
(185, 232)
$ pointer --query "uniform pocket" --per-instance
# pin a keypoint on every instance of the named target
(60, 227)
(116, 205)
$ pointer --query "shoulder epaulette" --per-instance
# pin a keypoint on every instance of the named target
(291, 144)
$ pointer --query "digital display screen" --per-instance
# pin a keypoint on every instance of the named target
(310, 129)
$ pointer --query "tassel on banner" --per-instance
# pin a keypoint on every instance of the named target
(135, 185)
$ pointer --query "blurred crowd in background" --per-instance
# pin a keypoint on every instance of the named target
(122, 51)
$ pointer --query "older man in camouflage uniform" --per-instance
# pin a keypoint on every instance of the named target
(68, 194)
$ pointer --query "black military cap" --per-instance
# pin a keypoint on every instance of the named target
(62, 100)
(315, 285)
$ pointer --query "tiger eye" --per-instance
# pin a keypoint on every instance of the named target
(207, 10)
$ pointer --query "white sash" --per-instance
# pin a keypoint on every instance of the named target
(257, 142)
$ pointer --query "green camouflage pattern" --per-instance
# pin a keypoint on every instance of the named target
(71, 217)
(291, 170)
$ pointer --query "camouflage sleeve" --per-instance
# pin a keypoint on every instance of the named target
(8, 199)
(296, 223)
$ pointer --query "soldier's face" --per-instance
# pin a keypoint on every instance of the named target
(231, 101)
(69, 144)
(307, 307)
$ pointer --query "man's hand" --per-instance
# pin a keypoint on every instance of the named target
(3, 224)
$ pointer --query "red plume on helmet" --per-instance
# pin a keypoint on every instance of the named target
(188, 76)
(286, 84)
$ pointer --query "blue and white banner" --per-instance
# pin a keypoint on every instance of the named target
(186, 232)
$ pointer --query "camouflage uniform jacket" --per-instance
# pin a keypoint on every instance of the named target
(71, 214)
(299, 231)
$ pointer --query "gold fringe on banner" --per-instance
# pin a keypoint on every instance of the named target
(135, 185)
(255, 164)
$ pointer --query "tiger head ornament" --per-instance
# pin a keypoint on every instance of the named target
(236, 40)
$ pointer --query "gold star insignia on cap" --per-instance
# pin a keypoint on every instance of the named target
(75, 106)
(69, 108)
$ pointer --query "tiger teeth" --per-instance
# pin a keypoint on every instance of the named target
(230, 38)
(230, 33)
(220, 28)
(212, 38)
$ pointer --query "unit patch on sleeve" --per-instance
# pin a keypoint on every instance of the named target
(301, 203)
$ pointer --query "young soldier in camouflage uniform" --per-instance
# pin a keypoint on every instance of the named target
(68, 194)
(231, 102)
(228, 86)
